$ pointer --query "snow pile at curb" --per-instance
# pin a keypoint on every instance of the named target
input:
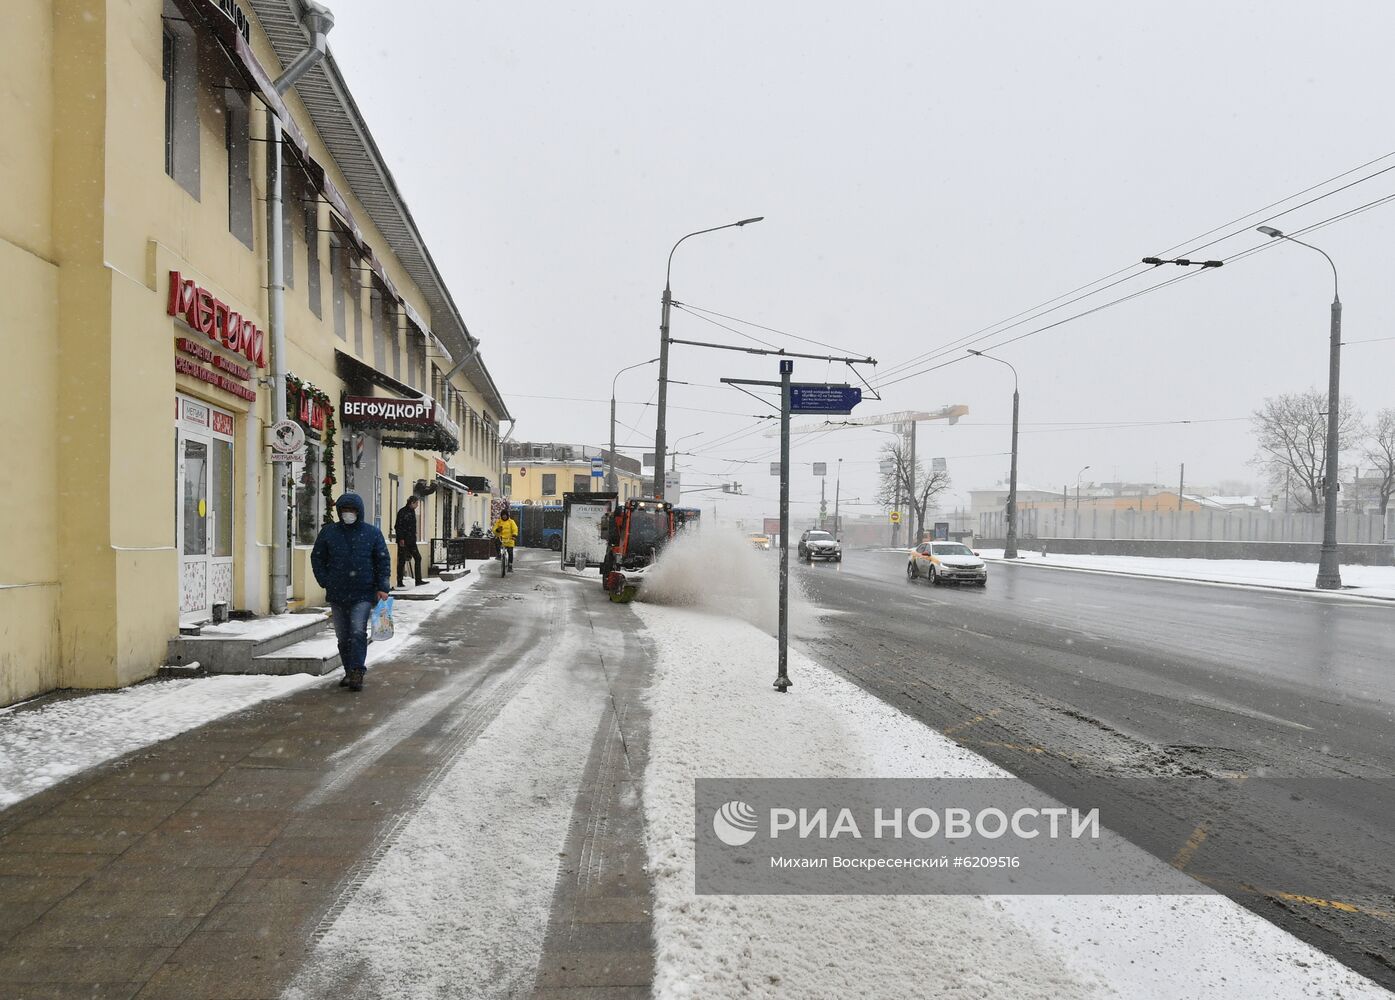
(1358, 581)
(714, 714)
(43, 745)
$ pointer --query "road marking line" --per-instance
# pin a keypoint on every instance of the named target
(1184, 856)
(972, 722)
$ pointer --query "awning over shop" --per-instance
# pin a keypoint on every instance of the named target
(451, 484)
(402, 423)
(359, 376)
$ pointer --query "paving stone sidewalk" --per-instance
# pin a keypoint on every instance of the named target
(204, 866)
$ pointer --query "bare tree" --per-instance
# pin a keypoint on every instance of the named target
(1291, 431)
(1380, 452)
(895, 485)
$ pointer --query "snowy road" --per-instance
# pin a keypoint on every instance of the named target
(1108, 688)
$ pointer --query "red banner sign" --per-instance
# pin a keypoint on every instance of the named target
(215, 320)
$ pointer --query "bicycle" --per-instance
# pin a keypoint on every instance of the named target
(505, 559)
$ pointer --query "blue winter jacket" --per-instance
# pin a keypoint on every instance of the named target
(351, 560)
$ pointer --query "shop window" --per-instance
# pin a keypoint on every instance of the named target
(309, 504)
(239, 145)
(337, 291)
(179, 70)
(549, 484)
(222, 490)
(312, 262)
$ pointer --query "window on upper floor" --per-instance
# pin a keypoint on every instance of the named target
(237, 141)
(312, 260)
(549, 484)
(337, 290)
(179, 72)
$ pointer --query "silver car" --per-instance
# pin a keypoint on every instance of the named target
(816, 544)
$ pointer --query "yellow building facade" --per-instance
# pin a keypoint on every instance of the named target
(136, 400)
(538, 472)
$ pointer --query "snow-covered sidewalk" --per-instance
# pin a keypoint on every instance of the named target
(714, 715)
(42, 744)
(1357, 581)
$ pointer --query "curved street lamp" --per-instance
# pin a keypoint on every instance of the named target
(1329, 574)
(660, 444)
(612, 481)
(1010, 543)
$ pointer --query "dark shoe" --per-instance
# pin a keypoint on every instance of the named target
(344, 681)
(421, 583)
(356, 680)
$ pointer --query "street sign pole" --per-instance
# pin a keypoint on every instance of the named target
(782, 679)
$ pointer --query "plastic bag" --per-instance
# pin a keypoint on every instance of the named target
(380, 621)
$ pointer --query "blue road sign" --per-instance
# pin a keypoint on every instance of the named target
(597, 468)
(824, 398)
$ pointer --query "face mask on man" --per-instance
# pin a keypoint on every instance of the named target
(348, 517)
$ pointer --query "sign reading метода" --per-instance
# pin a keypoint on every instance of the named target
(371, 410)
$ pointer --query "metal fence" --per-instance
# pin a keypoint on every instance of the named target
(1247, 525)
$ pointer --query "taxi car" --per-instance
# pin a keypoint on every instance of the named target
(946, 562)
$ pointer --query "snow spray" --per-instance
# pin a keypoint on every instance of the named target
(717, 570)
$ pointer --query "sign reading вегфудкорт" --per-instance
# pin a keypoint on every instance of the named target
(387, 412)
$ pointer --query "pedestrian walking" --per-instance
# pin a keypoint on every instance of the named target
(350, 561)
(406, 531)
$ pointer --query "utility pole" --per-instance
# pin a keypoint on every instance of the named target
(915, 529)
(782, 679)
(1181, 484)
(661, 428)
(823, 499)
(837, 498)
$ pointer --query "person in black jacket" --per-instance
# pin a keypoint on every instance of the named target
(406, 531)
(350, 561)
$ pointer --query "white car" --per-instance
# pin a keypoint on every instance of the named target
(946, 562)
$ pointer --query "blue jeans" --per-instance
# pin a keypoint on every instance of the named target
(351, 629)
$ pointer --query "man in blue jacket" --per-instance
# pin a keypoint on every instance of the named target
(350, 560)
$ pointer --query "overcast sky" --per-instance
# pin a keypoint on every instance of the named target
(926, 170)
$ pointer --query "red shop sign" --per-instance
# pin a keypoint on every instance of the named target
(215, 320)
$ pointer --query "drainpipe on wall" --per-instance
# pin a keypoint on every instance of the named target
(317, 21)
(502, 442)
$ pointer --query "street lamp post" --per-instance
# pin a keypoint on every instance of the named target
(1329, 575)
(1010, 545)
(1077, 489)
(612, 480)
(661, 428)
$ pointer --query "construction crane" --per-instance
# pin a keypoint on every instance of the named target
(951, 413)
(904, 421)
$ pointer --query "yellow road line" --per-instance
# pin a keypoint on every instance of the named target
(1184, 856)
(972, 722)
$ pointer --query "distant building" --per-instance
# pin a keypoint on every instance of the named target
(537, 472)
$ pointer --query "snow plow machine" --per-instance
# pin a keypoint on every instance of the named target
(636, 533)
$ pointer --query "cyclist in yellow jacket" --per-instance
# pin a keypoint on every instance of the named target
(506, 530)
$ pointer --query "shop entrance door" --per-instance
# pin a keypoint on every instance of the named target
(203, 508)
